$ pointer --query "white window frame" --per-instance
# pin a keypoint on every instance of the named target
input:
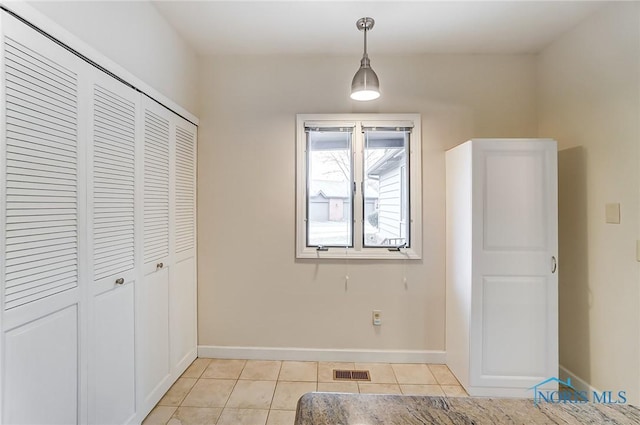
(358, 251)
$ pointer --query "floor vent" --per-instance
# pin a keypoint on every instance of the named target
(351, 375)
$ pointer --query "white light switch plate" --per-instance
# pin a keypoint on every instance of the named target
(612, 213)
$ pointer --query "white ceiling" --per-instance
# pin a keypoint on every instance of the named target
(402, 27)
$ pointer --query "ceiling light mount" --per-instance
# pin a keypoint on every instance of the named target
(365, 85)
(365, 24)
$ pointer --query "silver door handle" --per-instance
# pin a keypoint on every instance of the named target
(554, 264)
(119, 281)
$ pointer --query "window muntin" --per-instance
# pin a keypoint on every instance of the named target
(329, 187)
(313, 147)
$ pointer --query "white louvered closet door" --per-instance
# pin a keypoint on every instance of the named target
(183, 273)
(41, 217)
(112, 212)
(153, 329)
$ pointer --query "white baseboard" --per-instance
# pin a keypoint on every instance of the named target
(322, 354)
(578, 383)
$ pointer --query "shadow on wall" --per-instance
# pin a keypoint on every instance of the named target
(574, 296)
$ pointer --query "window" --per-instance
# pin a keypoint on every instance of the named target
(358, 186)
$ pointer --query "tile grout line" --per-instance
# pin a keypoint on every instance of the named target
(274, 393)
(199, 376)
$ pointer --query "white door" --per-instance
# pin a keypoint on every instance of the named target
(182, 288)
(42, 219)
(153, 325)
(515, 300)
(112, 184)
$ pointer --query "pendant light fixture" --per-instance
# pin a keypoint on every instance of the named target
(365, 85)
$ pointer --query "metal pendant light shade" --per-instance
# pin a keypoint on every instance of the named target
(365, 84)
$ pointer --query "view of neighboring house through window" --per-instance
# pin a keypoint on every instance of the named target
(330, 187)
(385, 165)
(358, 186)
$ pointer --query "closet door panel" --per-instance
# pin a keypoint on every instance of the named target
(112, 209)
(42, 213)
(515, 240)
(41, 370)
(41, 174)
(183, 314)
(153, 305)
(154, 347)
(112, 371)
(185, 189)
(156, 183)
(182, 289)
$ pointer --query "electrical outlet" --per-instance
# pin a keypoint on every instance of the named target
(377, 317)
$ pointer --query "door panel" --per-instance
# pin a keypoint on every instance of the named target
(183, 277)
(514, 304)
(112, 209)
(154, 339)
(514, 314)
(156, 184)
(515, 209)
(41, 216)
(112, 376)
(183, 313)
(41, 175)
(185, 189)
(41, 370)
(153, 325)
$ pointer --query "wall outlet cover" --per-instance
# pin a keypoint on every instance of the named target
(377, 317)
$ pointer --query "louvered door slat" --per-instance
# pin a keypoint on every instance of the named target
(41, 65)
(120, 112)
(55, 127)
(36, 154)
(15, 267)
(185, 189)
(48, 276)
(156, 186)
(113, 183)
(23, 88)
(30, 104)
(19, 75)
(29, 166)
(40, 136)
(41, 243)
(16, 259)
(33, 231)
(43, 291)
(109, 153)
(114, 123)
(29, 225)
(122, 245)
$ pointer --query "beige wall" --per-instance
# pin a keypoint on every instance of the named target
(589, 100)
(252, 291)
(136, 37)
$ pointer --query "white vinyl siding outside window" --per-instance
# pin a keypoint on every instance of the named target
(358, 186)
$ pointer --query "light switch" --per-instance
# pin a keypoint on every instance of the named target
(612, 213)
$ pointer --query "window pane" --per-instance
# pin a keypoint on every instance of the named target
(386, 195)
(329, 188)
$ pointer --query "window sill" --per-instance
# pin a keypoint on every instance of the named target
(364, 254)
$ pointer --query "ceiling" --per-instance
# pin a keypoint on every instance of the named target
(402, 27)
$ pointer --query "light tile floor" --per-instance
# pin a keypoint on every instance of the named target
(261, 392)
